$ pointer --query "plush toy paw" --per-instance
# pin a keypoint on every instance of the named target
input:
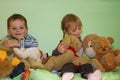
(95, 76)
(3, 55)
(96, 64)
(15, 61)
(108, 61)
(67, 76)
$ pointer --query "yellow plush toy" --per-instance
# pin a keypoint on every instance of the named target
(7, 64)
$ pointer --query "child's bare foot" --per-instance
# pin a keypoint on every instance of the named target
(95, 76)
(67, 76)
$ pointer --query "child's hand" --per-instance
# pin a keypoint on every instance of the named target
(11, 43)
(62, 48)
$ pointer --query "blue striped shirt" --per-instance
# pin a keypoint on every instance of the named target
(28, 42)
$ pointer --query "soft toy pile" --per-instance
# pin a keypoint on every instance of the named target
(97, 48)
(57, 62)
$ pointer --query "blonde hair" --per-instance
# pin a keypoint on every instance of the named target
(68, 21)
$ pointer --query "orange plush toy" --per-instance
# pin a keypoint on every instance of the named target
(7, 64)
(106, 59)
(87, 45)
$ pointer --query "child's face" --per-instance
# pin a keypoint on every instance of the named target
(74, 31)
(17, 29)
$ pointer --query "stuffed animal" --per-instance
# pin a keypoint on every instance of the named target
(87, 45)
(111, 60)
(23, 53)
(57, 62)
(106, 59)
(8, 64)
(32, 57)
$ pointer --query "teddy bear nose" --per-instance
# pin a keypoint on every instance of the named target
(104, 49)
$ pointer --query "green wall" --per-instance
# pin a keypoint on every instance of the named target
(100, 17)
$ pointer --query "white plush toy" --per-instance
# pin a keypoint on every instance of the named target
(32, 57)
(24, 53)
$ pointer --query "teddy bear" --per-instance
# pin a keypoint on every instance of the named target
(106, 59)
(87, 45)
(111, 61)
(57, 62)
(9, 66)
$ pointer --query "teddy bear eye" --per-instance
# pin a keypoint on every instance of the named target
(97, 44)
(90, 44)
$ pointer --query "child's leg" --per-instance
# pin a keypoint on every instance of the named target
(85, 69)
(68, 71)
(20, 68)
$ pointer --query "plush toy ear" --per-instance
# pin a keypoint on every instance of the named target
(111, 40)
(15, 61)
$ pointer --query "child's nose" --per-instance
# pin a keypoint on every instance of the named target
(18, 30)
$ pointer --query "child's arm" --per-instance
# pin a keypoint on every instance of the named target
(61, 48)
(4, 45)
(10, 43)
(55, 52)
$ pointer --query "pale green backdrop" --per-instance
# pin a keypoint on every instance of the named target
(100, 17)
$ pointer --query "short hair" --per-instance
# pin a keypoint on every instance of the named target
(15, 17)
(68, 20)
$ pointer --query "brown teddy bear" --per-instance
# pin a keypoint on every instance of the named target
(111, 60)
(87, 45)
(99, 50)
(106, 59)
(57, 62)
(7, 64)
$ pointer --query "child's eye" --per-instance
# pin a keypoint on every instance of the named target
(14, 28)
(21, 27)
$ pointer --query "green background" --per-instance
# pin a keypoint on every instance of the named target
(44, 17)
